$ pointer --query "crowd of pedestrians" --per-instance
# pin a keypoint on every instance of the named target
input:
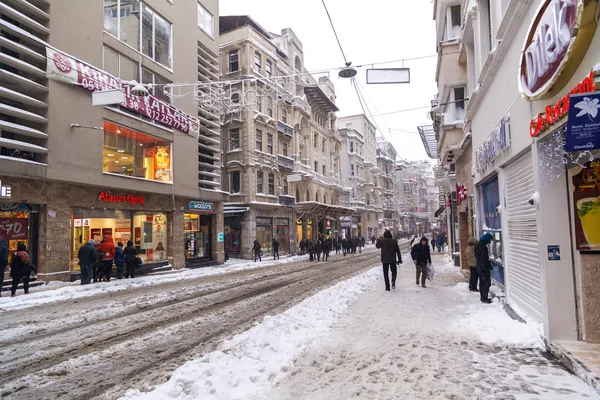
(96, 260)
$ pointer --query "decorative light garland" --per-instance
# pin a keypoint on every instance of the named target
(554, 161)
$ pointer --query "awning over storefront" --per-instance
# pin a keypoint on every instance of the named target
(234, 209)
(312, 207)
(440, 211)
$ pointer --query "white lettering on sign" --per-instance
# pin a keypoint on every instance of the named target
(5, 191)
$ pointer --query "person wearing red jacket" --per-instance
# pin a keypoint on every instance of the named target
(107, 252)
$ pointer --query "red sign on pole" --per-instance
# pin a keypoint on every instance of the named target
(13, 228)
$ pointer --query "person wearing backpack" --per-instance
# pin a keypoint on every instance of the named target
(20, 269)
(130, 253)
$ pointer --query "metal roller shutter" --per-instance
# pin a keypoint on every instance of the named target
(523, 266)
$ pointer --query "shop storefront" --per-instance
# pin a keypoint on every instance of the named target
(233, 235)
(19, 223)
(282, 234)
(197, 231)
(264, 234)
(490, 222)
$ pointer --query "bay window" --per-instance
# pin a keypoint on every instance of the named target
(132, 153)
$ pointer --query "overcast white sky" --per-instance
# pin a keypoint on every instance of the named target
(370, 32)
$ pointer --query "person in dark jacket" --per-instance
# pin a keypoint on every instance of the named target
(87, 258)
(275, 249)
(130, 253)
(120, 260)
(421, 256)
(484, 266)
(318, 249)
(344, 246)
(20, 269)
(326, 249)
(3, 261)
(389, 250)
(257, 251)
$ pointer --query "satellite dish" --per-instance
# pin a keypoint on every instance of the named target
(347, 71)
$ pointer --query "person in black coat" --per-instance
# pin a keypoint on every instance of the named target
(20, 269)
(275, 249)
(87, 258)
(257, 251)
(326, 249)
(130, 253)
(484, 266)
(389, 251)
(344, 246)
(3, 261)
(421, 256)
(318, 249)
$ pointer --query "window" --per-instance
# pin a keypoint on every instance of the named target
(285, 149)
(206, 21)
(122, 20)
(352, 169)
(323, 145)
(257, 61)
(351, 147)
(234, 139)
(234, 61)
(120, 66)
(269, 67)
(157, 40)
(284, 116)
(269, 108)
(158, 89)
(270, 143)
(453, 22)
(132, 153)
(324, 173)
(315, 140)
(259, 182)
(271, 184)
(259, 140)
(286, 187)
(316, 166)
(459, 102)
(235, 182)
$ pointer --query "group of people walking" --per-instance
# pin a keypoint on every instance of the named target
(21, 267)
(96, 261)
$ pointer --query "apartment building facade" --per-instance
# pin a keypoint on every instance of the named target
(281, 163)
(72, 171)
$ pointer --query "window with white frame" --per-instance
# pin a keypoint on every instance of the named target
(284, 116)
(235, 182)
(158, 85)
(259, 182)
(234, 139)
(234, 61)
(157, 40)
(453, 22)
(271, 184)
(286, 187)
(270, 143)
(259, 140)
(122, 20)
(458, 97)
(285, 149)
(257, 62)
(120, 66)
(206, 21)
(269, 67)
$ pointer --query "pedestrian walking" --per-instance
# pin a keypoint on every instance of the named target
(484, 266)
(439, 242)
(318, 249)
(87, 256)
(275, 249)
(373, 239)
(3, 262)
(421, 256)
(120, 260)
(107, 251)
(326, 249)
(344, 246)
(389, 251)
(20, 269)
(257, 251)
(131, 254)
(472, 263)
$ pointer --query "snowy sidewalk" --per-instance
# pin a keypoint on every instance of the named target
(434, 343)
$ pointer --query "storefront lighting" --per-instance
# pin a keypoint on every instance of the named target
(124, 158)
(120, 151)
(110, 155)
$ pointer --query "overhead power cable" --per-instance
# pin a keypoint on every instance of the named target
(334, 32)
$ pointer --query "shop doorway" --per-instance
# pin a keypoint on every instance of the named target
(282, 234)
(19, 223)
(197, 237)
(233, 235)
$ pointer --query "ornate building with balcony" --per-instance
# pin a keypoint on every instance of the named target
(281, 149)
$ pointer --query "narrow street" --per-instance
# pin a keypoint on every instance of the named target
(105, 344)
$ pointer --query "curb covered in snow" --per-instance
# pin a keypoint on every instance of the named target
(251, 362)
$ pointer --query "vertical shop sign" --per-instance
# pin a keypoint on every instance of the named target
(13, 228)
(493, 145)
(583, 128)
(586, 200)
(5, 191)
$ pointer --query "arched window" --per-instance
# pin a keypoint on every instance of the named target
(297, 196)
(307, 195)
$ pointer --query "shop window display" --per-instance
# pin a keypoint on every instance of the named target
(264, 233)
(282, 234)
(132, 153)
(197, 236)
(490, 195)
(233, 235)
(19, 226)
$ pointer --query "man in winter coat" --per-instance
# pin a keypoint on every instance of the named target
(20, 269)
(257, 251)
(87, 258)
(389, 250)
(130, 253)
(107, 251)
(3, 261)
(472, 263)
(326, 249)
(421, 256)
(344, 246)
(318, 249)
(275, 249)
(484, 266)
(120, 260)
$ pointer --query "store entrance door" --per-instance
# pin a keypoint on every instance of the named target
(197, 237)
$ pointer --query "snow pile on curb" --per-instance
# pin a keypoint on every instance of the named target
(251, 362)
(60, 291)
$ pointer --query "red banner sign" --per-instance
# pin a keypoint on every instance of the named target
(111, 198)
(13, 228)
(64, 68)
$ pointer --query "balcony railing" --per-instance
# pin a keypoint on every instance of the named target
(285, 129)
(285, 162)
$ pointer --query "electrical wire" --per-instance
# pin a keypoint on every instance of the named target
(334, 32)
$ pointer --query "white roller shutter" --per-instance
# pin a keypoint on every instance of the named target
(523, 266)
